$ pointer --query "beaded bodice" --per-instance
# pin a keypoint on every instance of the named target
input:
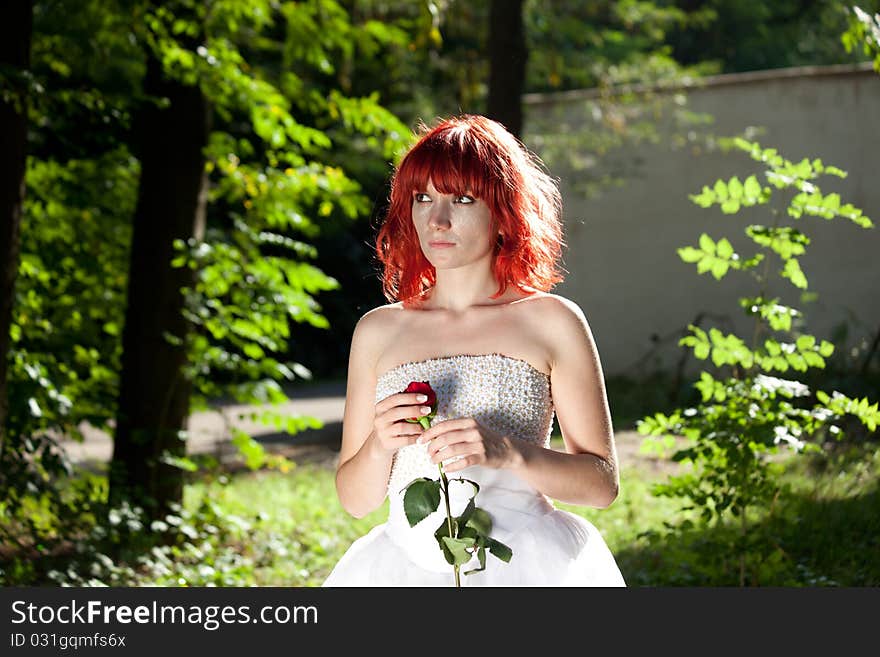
(503, 394)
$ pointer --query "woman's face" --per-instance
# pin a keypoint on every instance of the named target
(454, 230)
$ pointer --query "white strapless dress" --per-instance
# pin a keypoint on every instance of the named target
(551, 547)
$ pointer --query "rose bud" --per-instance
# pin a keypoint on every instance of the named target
(423, 387)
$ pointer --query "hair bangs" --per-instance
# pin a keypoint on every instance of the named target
(451, 161)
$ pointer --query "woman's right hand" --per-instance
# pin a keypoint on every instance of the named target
(390, 428)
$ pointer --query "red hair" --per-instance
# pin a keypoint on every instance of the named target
(474, 155)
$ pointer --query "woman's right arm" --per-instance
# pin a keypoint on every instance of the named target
(371, 432)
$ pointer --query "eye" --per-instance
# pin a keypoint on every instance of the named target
(464, 199)
(421, 197)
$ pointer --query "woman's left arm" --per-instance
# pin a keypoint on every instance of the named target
(586, 473)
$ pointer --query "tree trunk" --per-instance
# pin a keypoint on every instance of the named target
(154, 394)
(16, 20)
(507, 63)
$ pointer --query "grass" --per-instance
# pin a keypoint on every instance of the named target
(297, 527)
(301, 517)
(272, 529)
(823, 530)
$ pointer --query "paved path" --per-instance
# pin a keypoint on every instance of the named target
(210, 432)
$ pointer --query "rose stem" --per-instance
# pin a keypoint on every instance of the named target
(445, 488)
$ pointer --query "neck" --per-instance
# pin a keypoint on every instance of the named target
(459, 289)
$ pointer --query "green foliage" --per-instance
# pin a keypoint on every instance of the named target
(276, 178)
(70, 289)
(273, 178)
(223, 535)
(734, 433)
(771, 355)
(576, 45)
(66, 322)
(749, 35)
(863, 34)
(820, 530)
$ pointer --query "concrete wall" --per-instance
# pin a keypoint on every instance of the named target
(622, 262)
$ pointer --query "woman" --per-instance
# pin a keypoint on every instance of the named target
(470, 247)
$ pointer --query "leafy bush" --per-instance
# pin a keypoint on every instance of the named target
(746, 413)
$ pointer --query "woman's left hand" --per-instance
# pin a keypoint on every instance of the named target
(473, 443)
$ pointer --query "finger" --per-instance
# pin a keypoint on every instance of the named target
(461, 464)
(405, 441)
(400, 430)
(459, 449)
(400, 399)
(447, 426)
(405, 429)
(447, 440)
(399, 413)
(395, 439)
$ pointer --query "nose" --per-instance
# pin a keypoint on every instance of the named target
(439, 219)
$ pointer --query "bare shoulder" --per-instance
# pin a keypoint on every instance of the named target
(375, 324)
(557, 310)
(370, 335)
(562, 327)
(380, 318)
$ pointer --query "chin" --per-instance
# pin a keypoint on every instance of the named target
(441, 261)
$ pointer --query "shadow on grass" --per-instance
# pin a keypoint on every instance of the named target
(810, 542)
(330, 435)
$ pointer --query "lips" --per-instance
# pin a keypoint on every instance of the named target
(440, 244)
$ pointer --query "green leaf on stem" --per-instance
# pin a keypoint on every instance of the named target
(443, 530)
(499, 549)
(690, 254)
(481, 557)
(793, 272)
(480, 521)
(421, 499)
(707, 244)
(467, 513)
(472, 483)
(456, 549)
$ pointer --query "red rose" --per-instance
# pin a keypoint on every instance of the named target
(423, 387)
